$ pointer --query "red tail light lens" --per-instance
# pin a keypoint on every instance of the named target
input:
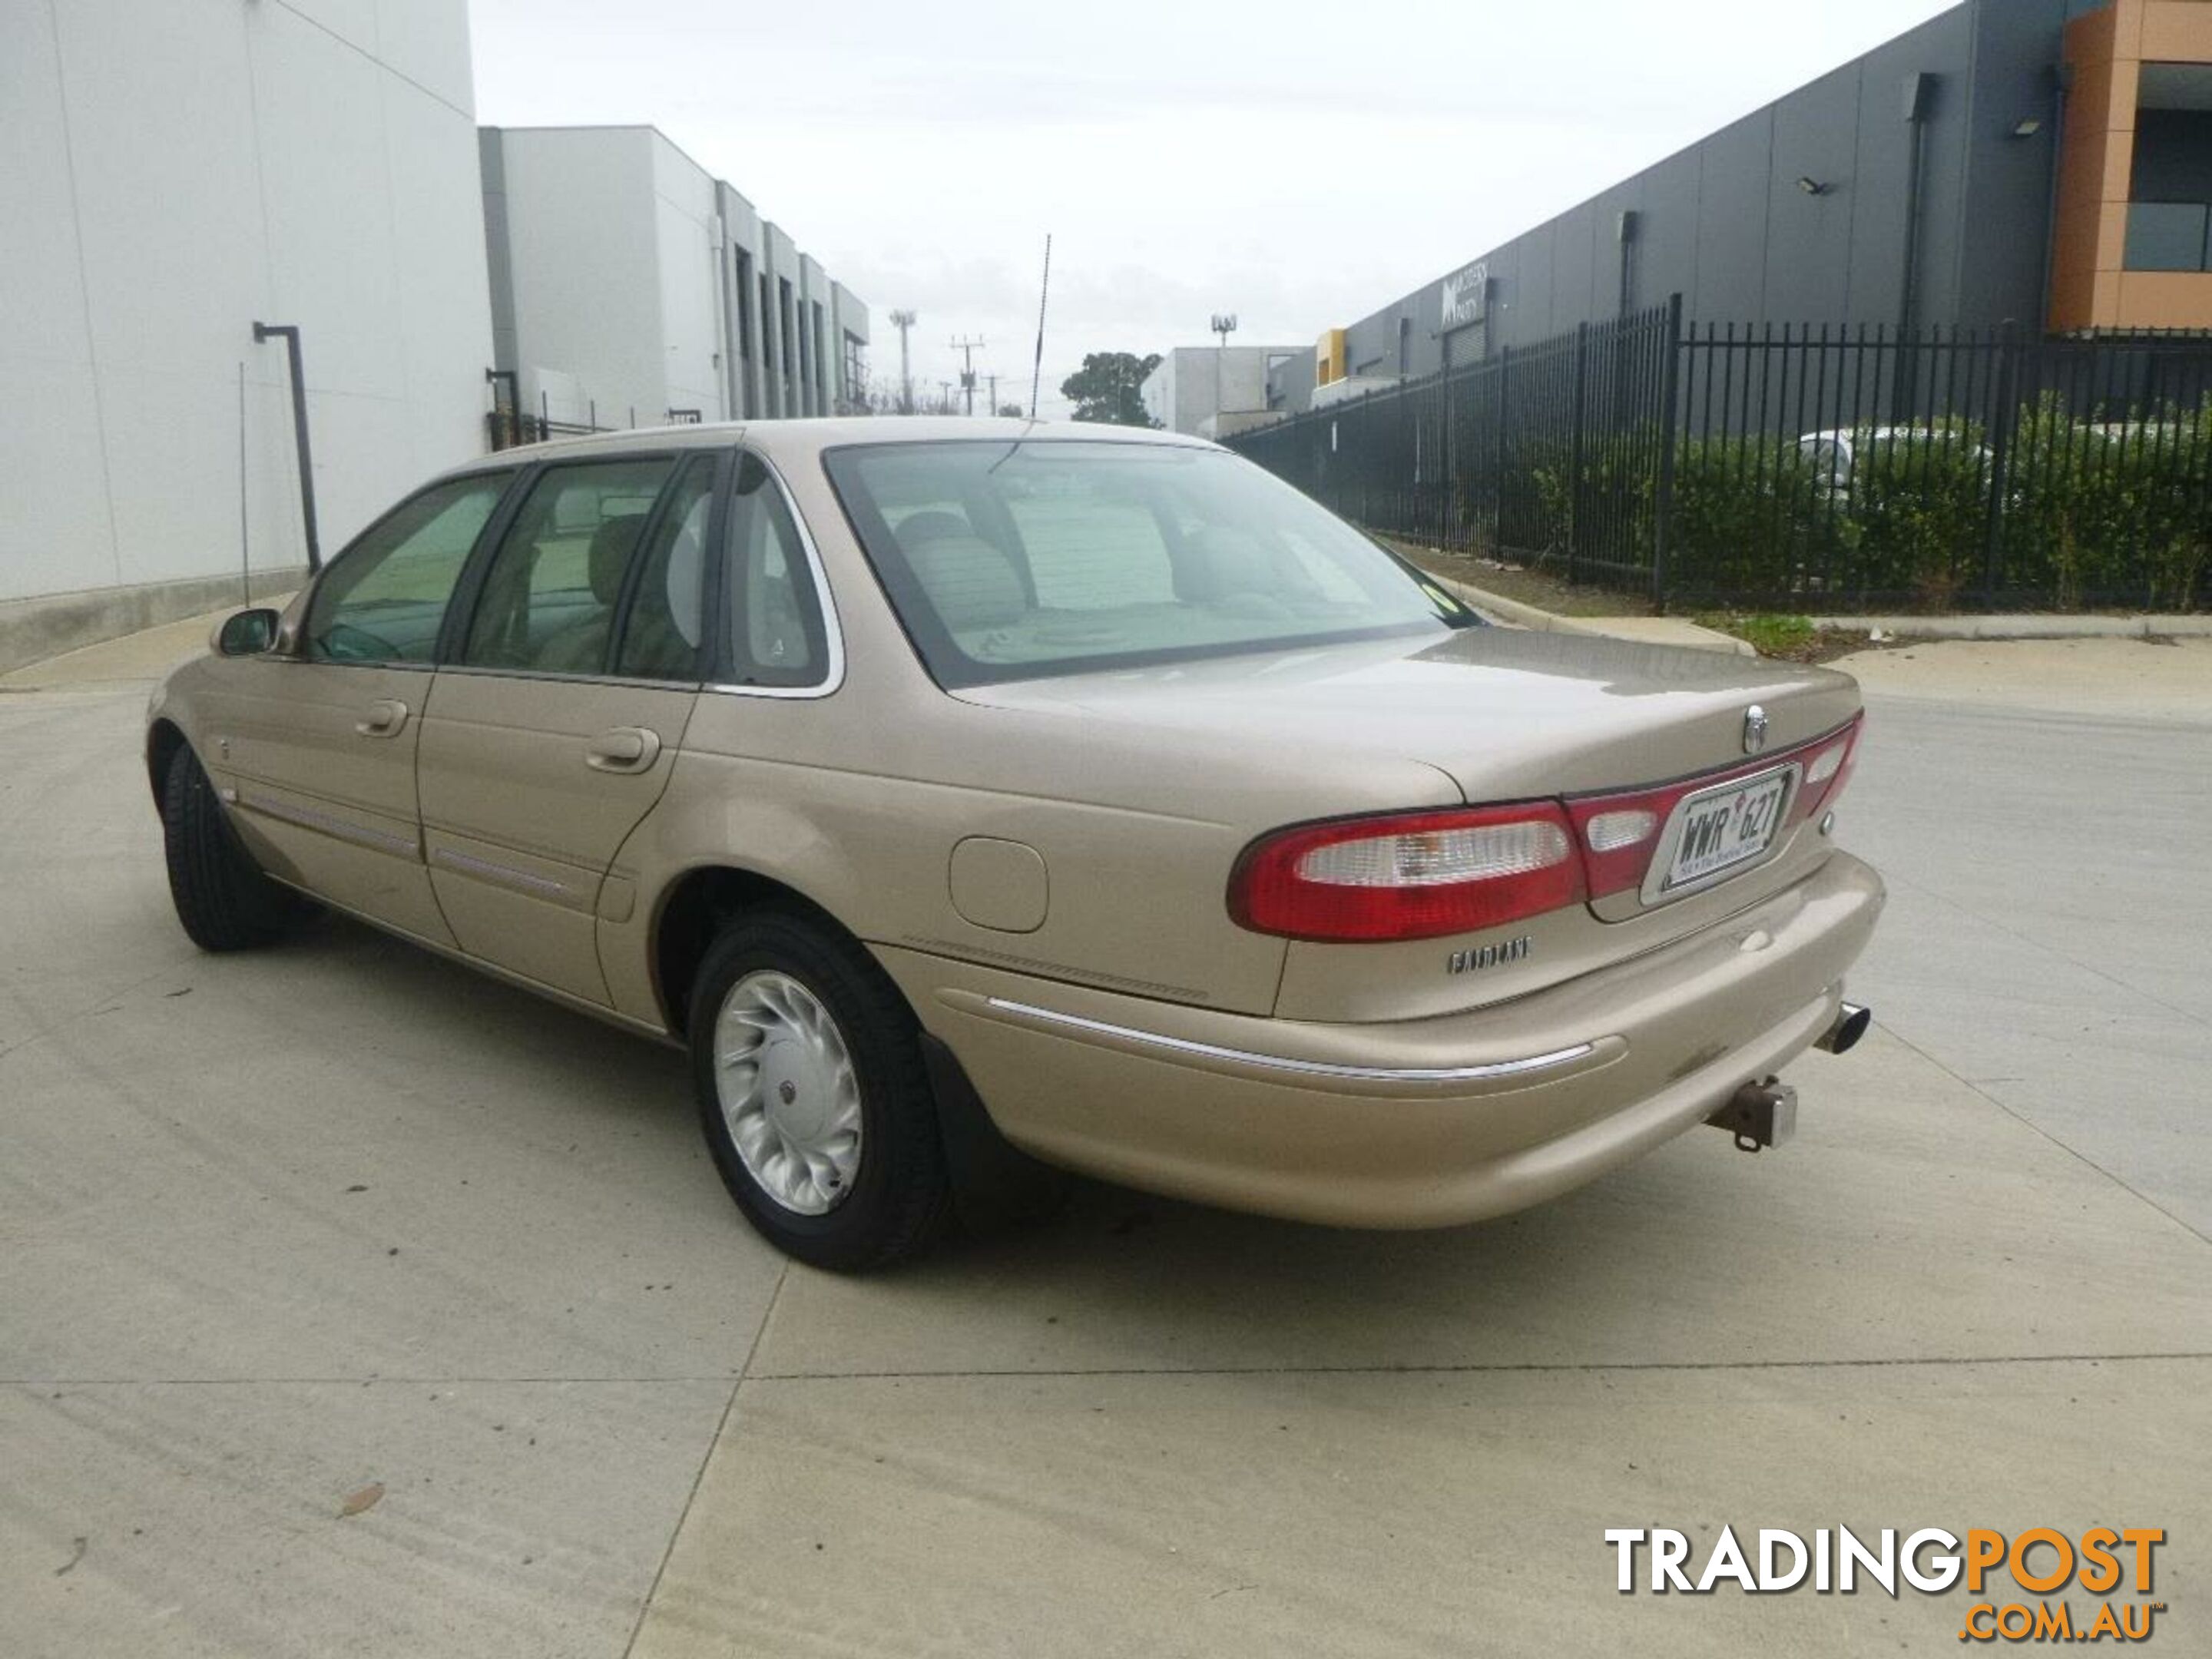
(1827, 769)
(1421, 875)
(1408, 875)
(1620, 833)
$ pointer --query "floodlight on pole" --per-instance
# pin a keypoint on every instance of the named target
(1224, 325)
(903, 320)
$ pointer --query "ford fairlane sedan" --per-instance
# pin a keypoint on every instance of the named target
(978, 800)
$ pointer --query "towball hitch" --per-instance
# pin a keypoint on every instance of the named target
(1758, 1115)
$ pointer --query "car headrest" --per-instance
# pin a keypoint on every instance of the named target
(971, 583)
(918, 527)
(610, 556)
(1219, 562)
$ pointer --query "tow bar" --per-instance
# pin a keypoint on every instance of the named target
(1758, 1115)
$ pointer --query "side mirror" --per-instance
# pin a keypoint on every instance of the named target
(247, 634)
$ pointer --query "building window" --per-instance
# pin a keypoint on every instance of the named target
(856, 370)
(744, 305)
(805, 359)
(784, 328)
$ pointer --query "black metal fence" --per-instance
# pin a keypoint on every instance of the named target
(507, 425)
(506, 429)
(1817, 469)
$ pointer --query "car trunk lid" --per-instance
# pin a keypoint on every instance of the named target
(1508, 715)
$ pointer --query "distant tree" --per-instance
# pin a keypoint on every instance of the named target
(1012, 409)
(1110, 388)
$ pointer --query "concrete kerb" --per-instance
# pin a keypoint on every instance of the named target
(2024, 626)
(1677, 630)
(1648, 630)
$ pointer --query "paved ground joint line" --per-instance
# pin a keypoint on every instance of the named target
(1410, 1369)
(2078, 1156)
(699, 1476)
(1505, 1368)
(2035, 943)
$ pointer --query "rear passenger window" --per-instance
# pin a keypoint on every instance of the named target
(662, 629)
(777, 635)
(548, 603)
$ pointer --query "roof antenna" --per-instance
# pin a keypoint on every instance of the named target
(1044, 291)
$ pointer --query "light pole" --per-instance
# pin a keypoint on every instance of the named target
(903, 320)
(1224, 325)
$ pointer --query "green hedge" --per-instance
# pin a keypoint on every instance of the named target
(2111, 513)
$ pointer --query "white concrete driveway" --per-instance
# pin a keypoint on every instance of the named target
(277, 1229)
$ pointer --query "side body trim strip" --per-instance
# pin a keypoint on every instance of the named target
(1307, 1067)
(331, 824)
(470, 864)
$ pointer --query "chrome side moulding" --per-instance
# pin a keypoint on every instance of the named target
(331, 824)
(469, 865)
(1493, 1069)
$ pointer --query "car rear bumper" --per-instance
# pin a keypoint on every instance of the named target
(1406, 1124)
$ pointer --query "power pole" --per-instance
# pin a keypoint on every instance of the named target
(966, 348)
(903, 320)
(945, 397)
(992, 380)
(1224, 325)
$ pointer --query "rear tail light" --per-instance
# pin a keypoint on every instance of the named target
(1421, 875)
(1829, 761)
(1408, 875)
(1618, 856)
(1827, 769)
(1619, 833)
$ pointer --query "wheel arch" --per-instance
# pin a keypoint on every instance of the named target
(696, 907)
(163, 739)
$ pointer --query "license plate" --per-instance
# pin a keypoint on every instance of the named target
(1725, 827)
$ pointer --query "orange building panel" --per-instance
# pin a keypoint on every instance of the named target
(2090, 287)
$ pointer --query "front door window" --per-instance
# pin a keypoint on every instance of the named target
(385, 597)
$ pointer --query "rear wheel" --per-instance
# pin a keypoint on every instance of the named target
(223, 899)
(813, 1095)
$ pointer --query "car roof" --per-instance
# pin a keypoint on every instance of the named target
(800, 440)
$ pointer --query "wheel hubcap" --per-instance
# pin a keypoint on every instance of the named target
(788, 1093)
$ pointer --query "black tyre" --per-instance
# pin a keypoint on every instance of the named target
(223, 899)
(814, 1097)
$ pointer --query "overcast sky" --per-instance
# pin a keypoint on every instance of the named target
(1299, 166)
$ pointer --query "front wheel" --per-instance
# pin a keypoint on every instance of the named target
(222, 898)
(814, 1097)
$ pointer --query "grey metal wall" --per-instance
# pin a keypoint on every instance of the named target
(1726, 224)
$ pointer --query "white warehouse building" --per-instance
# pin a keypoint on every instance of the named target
(631, 287)
(1212, 392)
(175, 173)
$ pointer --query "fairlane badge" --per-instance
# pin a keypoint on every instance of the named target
(1479, 957)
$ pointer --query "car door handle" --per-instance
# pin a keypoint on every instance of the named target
(625, 749)
(386, 719)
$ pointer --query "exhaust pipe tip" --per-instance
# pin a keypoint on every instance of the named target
(1850, 1024)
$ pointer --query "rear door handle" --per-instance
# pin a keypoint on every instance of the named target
(625, 749)
(387, 717)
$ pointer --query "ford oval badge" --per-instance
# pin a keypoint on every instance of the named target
(1754, 729)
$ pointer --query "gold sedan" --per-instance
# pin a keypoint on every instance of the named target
(977, 799)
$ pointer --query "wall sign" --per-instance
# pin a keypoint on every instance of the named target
(1467, 293)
